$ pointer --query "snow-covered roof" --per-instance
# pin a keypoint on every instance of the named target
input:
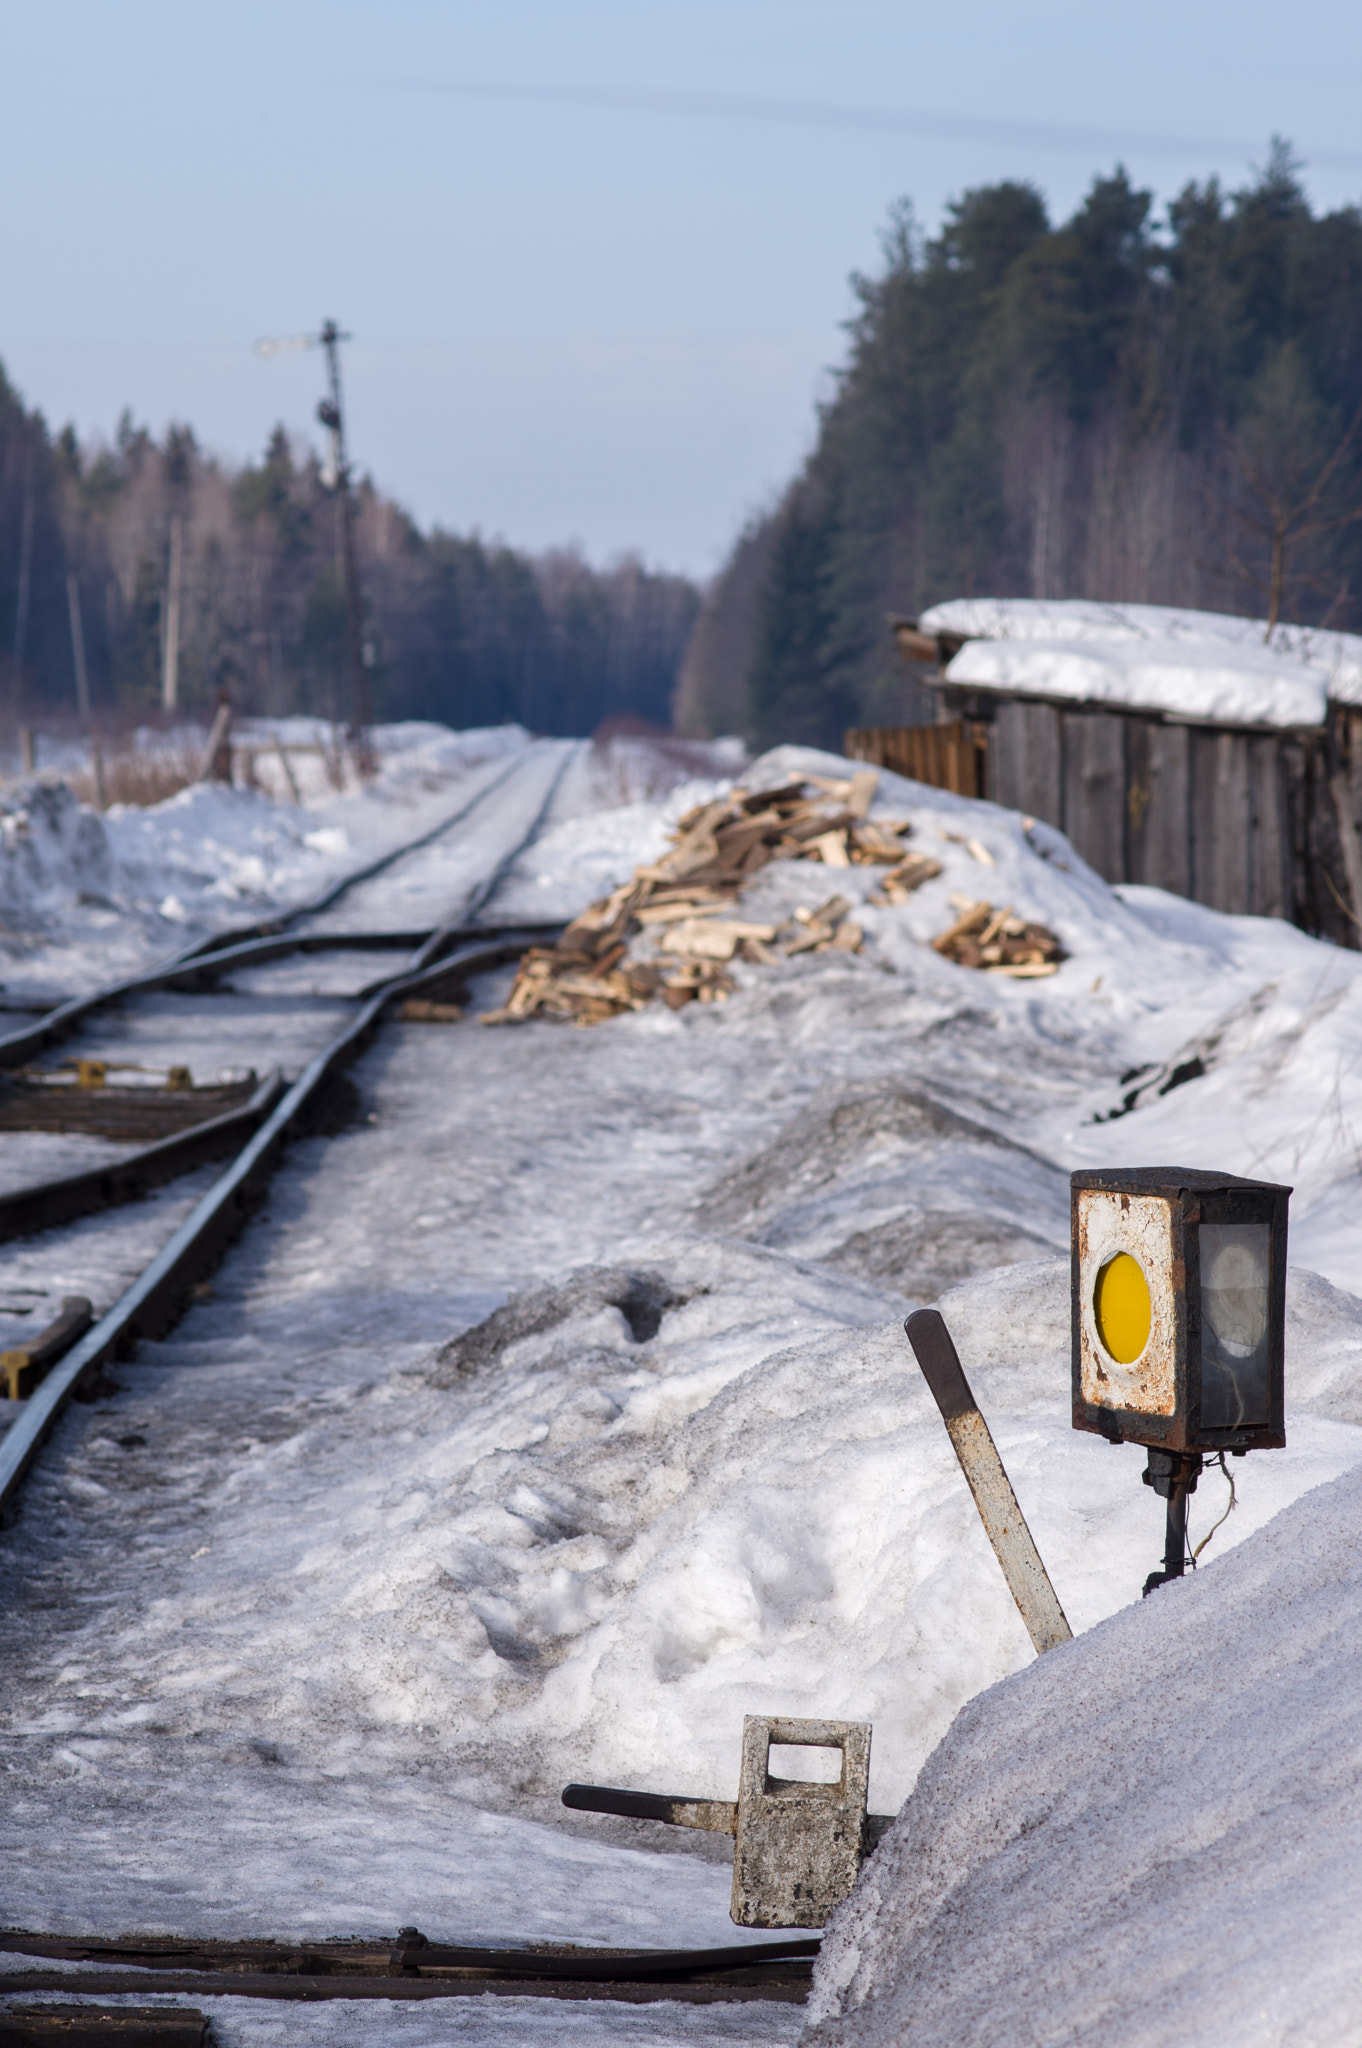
(1199, 665)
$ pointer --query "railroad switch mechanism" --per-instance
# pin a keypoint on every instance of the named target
(798, 1847)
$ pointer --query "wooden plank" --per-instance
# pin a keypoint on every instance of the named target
(1095, 790)
(1158, 845)
(1044, 758)
(1013, 1544)
(1007, 757)
(1233, 822)
(1025, 751)
(1269, 852)
(95, 2026)
(1221, 815)
(1297, 758)
(1350, 736)
(1138, 797)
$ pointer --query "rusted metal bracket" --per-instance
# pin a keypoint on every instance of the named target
(1173, 1475)
(798, 1847)
(1013, 1544)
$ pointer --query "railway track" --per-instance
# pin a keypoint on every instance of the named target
(254, 1133)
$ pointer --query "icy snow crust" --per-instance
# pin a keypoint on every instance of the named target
(559, 1414)
(1198, 665)
(1151, 1834)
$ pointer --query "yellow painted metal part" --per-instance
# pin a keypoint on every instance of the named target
(1122, 1308)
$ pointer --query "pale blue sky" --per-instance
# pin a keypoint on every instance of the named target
(575, 318)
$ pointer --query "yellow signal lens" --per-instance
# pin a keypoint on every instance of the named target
(1123, 1309)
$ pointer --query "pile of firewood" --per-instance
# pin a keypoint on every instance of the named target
(685, 902)
(998, 942)
(672, 931)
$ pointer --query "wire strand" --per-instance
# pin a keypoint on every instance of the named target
(1234, 1502)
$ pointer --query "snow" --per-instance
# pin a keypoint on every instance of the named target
(1198, 665)
(85, 897)
(1149, 1833)
(318, 1656)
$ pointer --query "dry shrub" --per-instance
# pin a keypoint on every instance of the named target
(637, 763)
(141, 778)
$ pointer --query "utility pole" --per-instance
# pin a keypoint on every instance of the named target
(170, 652)
(337, 475)
(25, 574)
(332, 416)
(78, 647)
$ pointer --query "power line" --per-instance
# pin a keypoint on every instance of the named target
(863, 119)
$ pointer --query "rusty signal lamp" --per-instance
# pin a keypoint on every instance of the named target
(1179, 1312)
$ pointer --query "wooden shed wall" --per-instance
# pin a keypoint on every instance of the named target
(1198, 810)
(1243, 821)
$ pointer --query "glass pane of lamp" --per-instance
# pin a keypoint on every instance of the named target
(1235, 1268)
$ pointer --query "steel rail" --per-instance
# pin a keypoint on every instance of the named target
(417, 1968)
(444, 936)
(158, 1296)
(201, 972)
(18, 1046)
(785, 1984)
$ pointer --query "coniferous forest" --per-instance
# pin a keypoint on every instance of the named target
(94, 540)
(1152, 406)
(1126, 406)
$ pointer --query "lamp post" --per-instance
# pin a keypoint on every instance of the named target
(1179, 1311)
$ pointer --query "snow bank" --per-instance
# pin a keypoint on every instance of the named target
(52, 851)
(1149, 1834)
(588, 1536)
(85, 897)
(1202, 665)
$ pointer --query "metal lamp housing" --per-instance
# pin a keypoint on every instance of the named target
(1212, 1252)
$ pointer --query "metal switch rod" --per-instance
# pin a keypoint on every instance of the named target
(1013, 1544)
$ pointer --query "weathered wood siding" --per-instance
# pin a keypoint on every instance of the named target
(1094, 789)
(1026, 758)
(1157, 796)
(1270, 855)
(1198, 810)
(1243, 821)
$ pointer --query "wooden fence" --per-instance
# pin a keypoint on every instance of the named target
(943, 756)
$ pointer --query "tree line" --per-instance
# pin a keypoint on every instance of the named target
(1122, 407)
(121, 562)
